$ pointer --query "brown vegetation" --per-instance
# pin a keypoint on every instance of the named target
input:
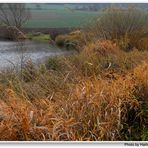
(99, 94)
(71, 40)
(81, 97)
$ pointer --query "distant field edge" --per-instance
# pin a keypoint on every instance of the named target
(53, 32)
(50, 30)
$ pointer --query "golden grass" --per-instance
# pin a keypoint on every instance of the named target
(101, 48)
(89, 98)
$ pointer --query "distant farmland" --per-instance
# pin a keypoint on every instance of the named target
(59, 17)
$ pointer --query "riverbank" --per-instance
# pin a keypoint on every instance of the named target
(53, 32)
(79, 97)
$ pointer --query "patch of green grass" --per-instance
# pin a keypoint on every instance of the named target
(59, 18)
(40, 37)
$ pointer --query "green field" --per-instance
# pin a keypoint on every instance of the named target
(58, 17)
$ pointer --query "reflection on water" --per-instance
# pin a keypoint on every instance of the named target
(11, 53)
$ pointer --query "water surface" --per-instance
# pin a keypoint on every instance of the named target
(14, 53)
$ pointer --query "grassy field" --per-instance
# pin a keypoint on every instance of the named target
(59, 17)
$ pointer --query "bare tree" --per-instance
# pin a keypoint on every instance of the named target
(14, 14)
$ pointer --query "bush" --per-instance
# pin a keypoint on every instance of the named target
(60, 39)
(71, 40)
(126, 26)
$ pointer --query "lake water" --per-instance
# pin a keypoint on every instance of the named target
(12, 53)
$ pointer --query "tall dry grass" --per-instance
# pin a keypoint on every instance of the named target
(99, 94)
(125, 26)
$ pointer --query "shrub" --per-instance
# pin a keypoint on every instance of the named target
(60, 39)
(127, 25)
(71, 40)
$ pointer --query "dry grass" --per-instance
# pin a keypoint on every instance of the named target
(96, 95)
(101, 48)
(71, 40)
